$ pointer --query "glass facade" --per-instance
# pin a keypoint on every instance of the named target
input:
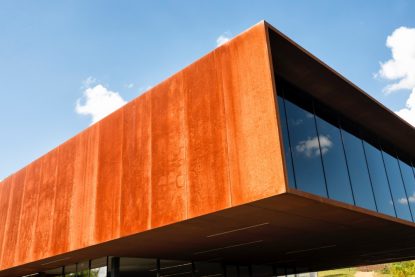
(146, 267)
(397, 188)
(332, 157)
(334, 161)
(305, 148)
(379, 180)
(409, 182)
(357, 169)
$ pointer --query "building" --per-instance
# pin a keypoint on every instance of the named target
(256, 160)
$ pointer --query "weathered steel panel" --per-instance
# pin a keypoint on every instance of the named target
(203, 140)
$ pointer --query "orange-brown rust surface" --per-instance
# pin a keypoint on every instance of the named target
(204, 140)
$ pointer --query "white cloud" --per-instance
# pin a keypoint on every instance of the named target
(98, 101)
(410, 199)
(408, 113)
(223, 38)
(400, 69)
(311, 146)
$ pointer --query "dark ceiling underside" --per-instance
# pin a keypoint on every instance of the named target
(293, 230)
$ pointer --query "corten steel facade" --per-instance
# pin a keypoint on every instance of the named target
(256, 154)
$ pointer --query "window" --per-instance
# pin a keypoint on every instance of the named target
(334, 161)
(99, 267)
(70, 270)
(305, 149)
(326, 155)
(400, 199)
(409, 182)
(359, 175)
(286, 143)
(83, 269)
(379, 180)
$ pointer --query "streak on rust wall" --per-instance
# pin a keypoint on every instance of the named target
(168, 186)
(206, 144)
(255, 163)
(203, 140)
(136, 175)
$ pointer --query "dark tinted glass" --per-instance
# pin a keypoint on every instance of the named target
(335, 168)
(409, 182)
(99, 267)
(70, 271)
(244, 271)
(231, 271)
(359, 175)
(131, 267)
(262, 270)
(286, 142)
(397, 188)
(305, 150)
(83, 269)
(208, 269)
(333, 161)
(379, 180)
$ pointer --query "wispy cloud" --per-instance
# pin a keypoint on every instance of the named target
(97, 101)
(400, 69)
(223, 38)
(129, 85)
(88, 82)
(405, 200)
(311, 146)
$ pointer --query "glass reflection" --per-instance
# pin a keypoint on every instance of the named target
(397, 188)
(409, 183)
(131, 266)
(326, 160)
(379, 180)
(359, 175)
(286, 143)
(70, 271)
(99, 267)
(305, 150)
(335, 168)
(83, 269)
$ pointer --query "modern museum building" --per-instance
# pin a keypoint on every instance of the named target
(256, 160)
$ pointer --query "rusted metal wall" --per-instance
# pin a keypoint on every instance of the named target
(205, 139)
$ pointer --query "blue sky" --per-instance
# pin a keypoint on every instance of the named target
(52, 52)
